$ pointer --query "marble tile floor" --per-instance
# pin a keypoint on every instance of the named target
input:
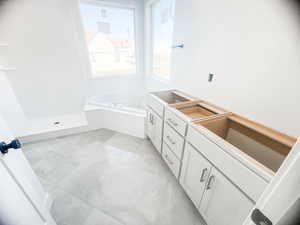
(108, 178)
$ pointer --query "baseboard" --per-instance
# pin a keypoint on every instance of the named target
(55, 134)
(127, 123)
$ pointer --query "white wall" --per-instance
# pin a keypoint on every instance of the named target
(253, 49)
(10, 109)
(153, 82)
(42, 45)
(119, 87)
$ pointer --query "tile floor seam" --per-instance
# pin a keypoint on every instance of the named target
(91, 205)
(107, 214)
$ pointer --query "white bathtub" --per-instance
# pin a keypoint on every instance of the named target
(132, 104)
(125, 115)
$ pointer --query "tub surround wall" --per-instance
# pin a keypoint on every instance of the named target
(117, 88)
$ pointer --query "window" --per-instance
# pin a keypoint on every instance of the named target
(110, 36)
(162, 21)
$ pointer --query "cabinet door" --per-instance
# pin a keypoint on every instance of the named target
(222, 202)
(157, 126)
(194, 174)
(149, 126)
(154, 128)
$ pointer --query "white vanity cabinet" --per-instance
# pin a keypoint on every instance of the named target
(244, 156)
(156, 103)
(154, 129)
(218, 200)
(253, 186)
(222, 160)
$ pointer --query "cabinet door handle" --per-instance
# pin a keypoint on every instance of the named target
(167, 158)
(202, 178)
(170, 139)
(172, 122)
(209, 183)
(151, 119)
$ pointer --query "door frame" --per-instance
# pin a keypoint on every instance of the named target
(283, 191)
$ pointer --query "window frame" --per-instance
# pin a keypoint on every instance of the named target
(138, 61)
(149, 38)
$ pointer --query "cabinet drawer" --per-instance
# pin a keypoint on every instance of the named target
(171, 160)
(248, 181)
(176, 122)
(174, 140)
(154, 104)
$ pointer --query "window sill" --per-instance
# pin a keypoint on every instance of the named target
(113, 76)
(159, 79)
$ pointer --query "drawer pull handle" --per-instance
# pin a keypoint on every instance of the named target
(209, 183)
(169, 161)
(202, 178)
(172, 122)
(170, 139)
(151, 119)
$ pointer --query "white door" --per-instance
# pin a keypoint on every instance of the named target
(222, 202)
(279, 202)
(194, 174)
(22, 198)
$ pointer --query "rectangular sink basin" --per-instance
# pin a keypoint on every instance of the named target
(172, 96)
(198, 110)
(267, 147)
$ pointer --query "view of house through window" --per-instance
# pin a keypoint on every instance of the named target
(110, 36)
(162, 32)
